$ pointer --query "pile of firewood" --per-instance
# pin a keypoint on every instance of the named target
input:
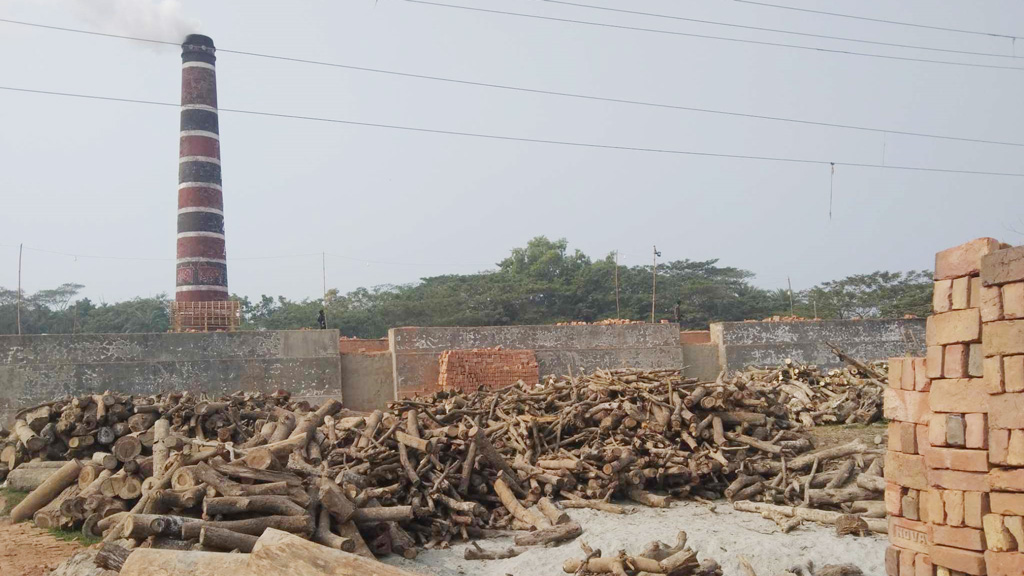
(812, 396)
(179, 471)
(655, 558)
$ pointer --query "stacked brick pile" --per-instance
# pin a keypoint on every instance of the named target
(468, 370)
(954, 495)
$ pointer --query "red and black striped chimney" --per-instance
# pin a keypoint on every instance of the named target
(202, 274)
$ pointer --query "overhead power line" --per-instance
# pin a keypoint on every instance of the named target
(882, 20)
(521, 139)
(541, 91)
(710, 37)
(779, 31)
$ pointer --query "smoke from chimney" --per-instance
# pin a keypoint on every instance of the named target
(158, 19)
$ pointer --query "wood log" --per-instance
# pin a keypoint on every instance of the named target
(478, 553)
(161, 430)
(303, 525)
(554, 514)
(313, 420)
(835, 496)
(325, 537)
(155, 562)
(273, 505)
(334, 501)
(127, 448)
(512, 504)
(350, 531)
(878, 526)
(27, 437)
(551, 535)
(870, 482)
(278, 552)
(27, 479)
(47, 491)
(221, 539)
(383, 514)
(179, 499)
(112, 557)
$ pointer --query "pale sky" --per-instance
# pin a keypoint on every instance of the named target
(100, 178)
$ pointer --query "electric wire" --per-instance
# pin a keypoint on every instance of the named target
(779, 31)
(880, 20)
(499, 137)
(538, 90)
(711, 37)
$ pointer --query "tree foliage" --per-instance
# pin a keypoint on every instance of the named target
(541, 283)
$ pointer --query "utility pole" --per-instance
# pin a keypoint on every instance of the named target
(21, 248)
(791, 310)
(654, 282)
(323, 263)
(617, 314)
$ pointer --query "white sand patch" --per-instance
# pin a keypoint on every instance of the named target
(723, 535)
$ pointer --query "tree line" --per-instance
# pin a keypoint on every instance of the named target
(542, 283)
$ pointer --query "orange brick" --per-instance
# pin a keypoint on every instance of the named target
(1013, 373)
(957, 459)
(958, 395)
(966, 538)
(909, 380)
(1015, 449)
(999, 539)
(931, 507)
(966, 561)
(907, 563)
(906, 470)
(954, 361)
(1007, 411)
(911, 505)
(922, 383)
(892, 561)
(1006, 479)
(998, 445)
(953, 505)
(975, 507)
(976, 287)
(994, 382)
(937, 430)
(909, 534)
(961, 294)
(906, 405)
(896, 373)
(991, 303)
(953, 327)
(1003, 338)
(976, 431)
(933, 361)
(942, 296)
(963, 260)
(1013, 300)
(923, 565)
(1006, 503)
(1004, 266)
(903, 437)
(894, 499)
(958, 480)
(1004, 563)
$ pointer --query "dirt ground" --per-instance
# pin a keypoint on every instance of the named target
(28, 551)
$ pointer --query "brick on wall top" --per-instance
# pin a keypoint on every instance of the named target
(1003, 266)
(965, 259)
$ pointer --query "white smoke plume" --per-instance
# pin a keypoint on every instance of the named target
(156, 19)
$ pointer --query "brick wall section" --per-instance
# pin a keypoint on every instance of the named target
(362, 345)
(468, 370)
(955, 465)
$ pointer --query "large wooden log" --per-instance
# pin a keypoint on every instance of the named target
(155, 562)
(221, 539)
(26, 479)
(278, 552)
(303, 525)
(27, 437)
(273, 505)
(47, 491)
(876, 525)
(550, 535)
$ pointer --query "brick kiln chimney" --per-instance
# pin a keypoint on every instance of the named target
(201, 265)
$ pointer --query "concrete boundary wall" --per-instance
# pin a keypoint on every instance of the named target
(39, 368)
(559, 349)
(742, 344)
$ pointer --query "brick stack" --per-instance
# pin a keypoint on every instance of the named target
(1002, 315)
(954, 495)
(468, 370)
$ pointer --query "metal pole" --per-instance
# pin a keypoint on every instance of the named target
(21, 248)
(791, 310)
(323, 262)
(654, 283)
(617, 314)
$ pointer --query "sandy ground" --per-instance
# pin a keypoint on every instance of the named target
(723, 535)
